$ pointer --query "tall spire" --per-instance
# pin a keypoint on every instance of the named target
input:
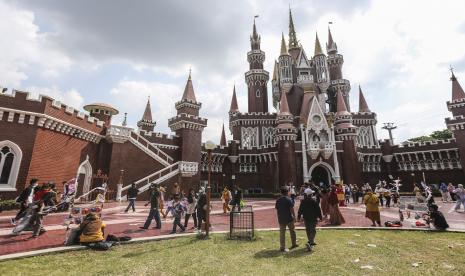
(341, 105)
(255, 38)
(223, 137)
(275, 70)
(318, 50)
(293, 43)
(331, 46)
(147, 117)
(283, 105)
(283, 46)
(457, 91)
(330, 37)
(362, 103)
(189, 90)
(234, 107)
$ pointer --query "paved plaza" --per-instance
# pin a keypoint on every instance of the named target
(127, 224)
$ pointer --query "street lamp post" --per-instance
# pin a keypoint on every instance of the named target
(209, 145)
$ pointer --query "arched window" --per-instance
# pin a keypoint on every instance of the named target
(257, 93)
(10, 160)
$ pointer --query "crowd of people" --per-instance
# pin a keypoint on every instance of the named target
(318, 202)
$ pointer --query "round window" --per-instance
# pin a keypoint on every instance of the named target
(316, 119)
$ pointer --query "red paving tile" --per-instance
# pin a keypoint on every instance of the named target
(264, 213)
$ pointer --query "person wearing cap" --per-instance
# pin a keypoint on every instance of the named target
(311, 212)
(460, 197)
(437, 218)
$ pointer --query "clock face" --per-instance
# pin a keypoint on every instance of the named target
(316, 119)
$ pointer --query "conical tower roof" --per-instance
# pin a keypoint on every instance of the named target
(189, 90)
(147, 117)
(234, 107)
(457, 91)
(318, 50)
(362, 103)
(283, 105)
(283, 46)
(341, 105)
(223, 137)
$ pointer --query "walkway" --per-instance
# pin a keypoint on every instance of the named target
(127, 224)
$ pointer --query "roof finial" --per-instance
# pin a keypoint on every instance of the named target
(125, 123)
(190, 73)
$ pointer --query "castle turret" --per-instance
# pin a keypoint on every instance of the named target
(223, 138)
(256, 78)
(146, 123)
(101, 111)
(321, 69)
(337, 82)
(286, 134)
(294, 47)
(285, 69)
(346, 132)
(189, 127)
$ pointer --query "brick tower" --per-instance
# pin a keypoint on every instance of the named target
(347, 133)
(256, 78)
(189, 127)
(457, 123)
(286, 134)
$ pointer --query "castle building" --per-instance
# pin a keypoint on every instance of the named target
(315, 135)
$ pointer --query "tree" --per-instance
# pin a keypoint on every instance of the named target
(436, 135)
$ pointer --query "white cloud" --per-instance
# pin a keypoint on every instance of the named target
(23, 49)
(69, 97)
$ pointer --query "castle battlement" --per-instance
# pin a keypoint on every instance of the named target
(427, 143)
(24, 101)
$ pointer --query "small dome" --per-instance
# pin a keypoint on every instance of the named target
(102, 106)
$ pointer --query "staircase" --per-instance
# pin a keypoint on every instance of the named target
(154, 178)
(151, 150)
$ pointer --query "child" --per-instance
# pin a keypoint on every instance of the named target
(177, 210)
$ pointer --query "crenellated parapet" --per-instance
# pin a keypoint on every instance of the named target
(45, 112)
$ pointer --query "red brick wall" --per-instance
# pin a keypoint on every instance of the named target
(56, 156)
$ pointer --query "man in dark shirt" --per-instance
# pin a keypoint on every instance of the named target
(237, 197)
(132, 195)
(286, 218)
(201, 208)
(154, 212)
(311, 212)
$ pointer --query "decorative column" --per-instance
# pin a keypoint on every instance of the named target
(304, 155)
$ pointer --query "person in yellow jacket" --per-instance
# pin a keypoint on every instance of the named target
(92, 234)
(371, 201)
(226, 198)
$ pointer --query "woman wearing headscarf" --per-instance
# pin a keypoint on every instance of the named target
(335, 216)
(371, 202)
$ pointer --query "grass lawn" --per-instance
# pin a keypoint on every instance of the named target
(335, 254)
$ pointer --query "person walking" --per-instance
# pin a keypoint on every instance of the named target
(387, 196)
(191, 206)
(286, 218)
(347, 191)
(154, 205)
(371, 202)
(335, 216)
(178, 211)
(25, 199)
(226, 199)
(201, 209)
(237, 198)
(444, 192)
(132, 195)
(354, 192)
(451, 189)
(324, 202)
(460, 197)
(311, 212)
(379, 192)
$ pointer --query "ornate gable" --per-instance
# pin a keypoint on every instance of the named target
(316, 119)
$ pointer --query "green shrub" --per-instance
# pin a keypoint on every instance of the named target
(8, 205)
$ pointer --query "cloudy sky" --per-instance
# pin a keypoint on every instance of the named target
(120, 52)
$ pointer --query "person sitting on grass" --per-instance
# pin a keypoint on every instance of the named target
(286, 218)
(371, 201)
(436, 217)
(311, 212)
(178, 210)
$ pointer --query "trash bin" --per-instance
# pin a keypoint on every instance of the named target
(241, 223)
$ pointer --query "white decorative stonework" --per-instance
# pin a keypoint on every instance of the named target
(118, 134)
(188, 169)
(387, 158)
